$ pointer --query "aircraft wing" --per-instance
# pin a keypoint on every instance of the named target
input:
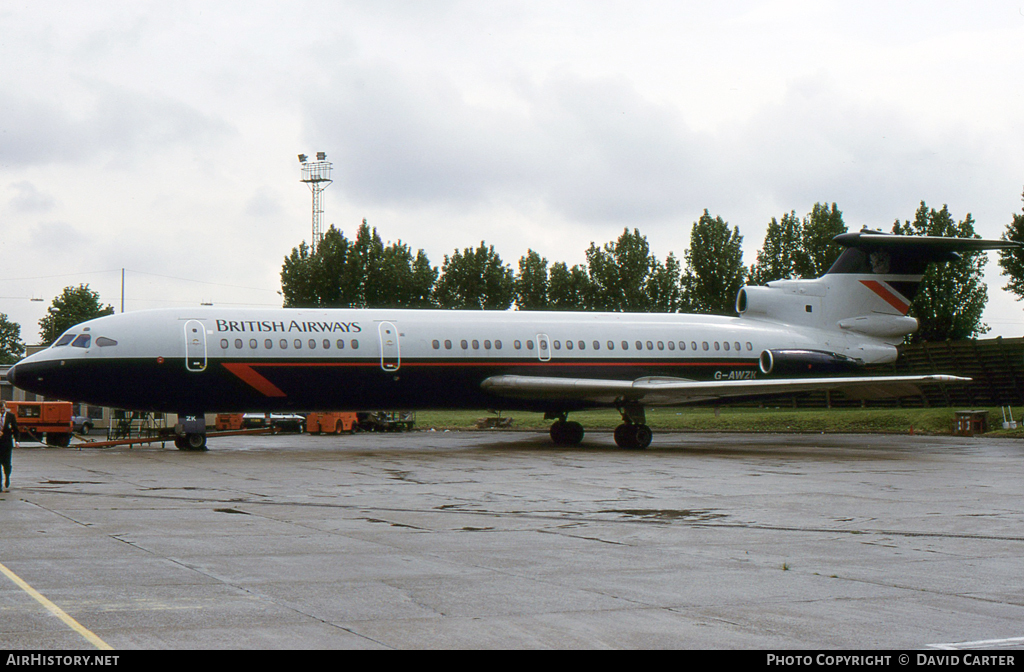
(667, 391)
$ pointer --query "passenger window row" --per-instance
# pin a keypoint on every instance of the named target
(596, 345)
(268, 344)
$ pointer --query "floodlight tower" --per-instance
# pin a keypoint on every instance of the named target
(317, 174)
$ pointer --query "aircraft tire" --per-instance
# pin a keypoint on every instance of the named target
(567, 433)
(633, 437)
(193, 441)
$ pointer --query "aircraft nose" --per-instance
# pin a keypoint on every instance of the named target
(11, 377)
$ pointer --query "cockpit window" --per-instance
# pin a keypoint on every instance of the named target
(103, 341)
(82, 341)
(64, 340)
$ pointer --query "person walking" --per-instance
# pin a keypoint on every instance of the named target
(8, 439)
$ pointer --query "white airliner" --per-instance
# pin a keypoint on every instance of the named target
(788, 333)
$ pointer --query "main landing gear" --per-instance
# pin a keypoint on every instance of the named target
(632, 434)
(564, 432)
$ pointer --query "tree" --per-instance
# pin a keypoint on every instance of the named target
(299, 284)
(665, 287)
(714, 266)
(780, 256)
(951, 297)
(531, 284)
(74, 306)
(820, 226)
(569, 288)
(357, 274)
(1012, 261)
(475, 279)
(11, 347)
(619, 273)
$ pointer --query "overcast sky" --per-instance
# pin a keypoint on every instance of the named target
(161, 137)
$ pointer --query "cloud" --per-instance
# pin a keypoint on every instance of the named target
(29, 200)
(113, 119)
(592, 149)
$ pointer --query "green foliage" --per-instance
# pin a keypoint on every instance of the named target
(820, 226)
(799, 249)
(74, 306)
(531, 284)
(618, 273)
(357, 274)
(11, 347)
(568, 288)
(475, 279)
(780, 256)
(714, 266)
(1012, 261)
(625, 277)
(952, 296)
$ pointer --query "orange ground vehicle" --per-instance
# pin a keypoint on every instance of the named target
(331, 423)
(36, 418)
(228, 422)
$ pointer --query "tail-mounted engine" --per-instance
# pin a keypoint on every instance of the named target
(793, 362)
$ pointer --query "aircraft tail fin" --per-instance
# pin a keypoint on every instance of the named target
(867, 292)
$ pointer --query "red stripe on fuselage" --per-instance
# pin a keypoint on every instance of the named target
(245, 370)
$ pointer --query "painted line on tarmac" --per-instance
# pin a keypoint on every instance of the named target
(56, 611)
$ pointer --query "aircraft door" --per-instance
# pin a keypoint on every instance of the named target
(195, 346)
(390, 356)
(543, 347)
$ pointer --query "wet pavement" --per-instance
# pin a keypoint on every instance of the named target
(501, 540)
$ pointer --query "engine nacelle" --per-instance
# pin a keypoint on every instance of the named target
(789, 362)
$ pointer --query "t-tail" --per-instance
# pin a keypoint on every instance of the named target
(859, 307)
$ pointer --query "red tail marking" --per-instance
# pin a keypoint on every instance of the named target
(887, 295)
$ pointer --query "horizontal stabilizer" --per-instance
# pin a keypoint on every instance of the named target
(939, 245)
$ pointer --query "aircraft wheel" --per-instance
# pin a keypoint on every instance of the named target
(633, 437)
(194, 441)
(566, 433)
